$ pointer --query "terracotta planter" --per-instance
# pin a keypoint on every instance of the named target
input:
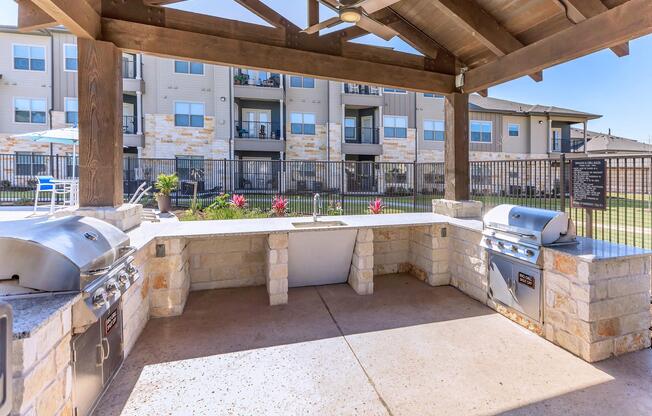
(164, 202)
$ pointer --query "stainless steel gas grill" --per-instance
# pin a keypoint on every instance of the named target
(514, 236)
(75, 254)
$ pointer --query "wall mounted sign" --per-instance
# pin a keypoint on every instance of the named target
(589, 183)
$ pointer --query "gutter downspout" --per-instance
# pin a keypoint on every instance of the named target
(328, 120)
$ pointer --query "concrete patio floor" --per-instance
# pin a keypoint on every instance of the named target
(409, 349)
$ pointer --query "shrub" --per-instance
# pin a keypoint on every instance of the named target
(166, 183)
(239, 201)
(279, 206)
(376, 206)
(335, 209)
(221, 201)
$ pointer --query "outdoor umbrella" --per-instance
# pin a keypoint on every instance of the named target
(68, 135)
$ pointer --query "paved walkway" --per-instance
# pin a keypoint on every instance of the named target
(409, 349)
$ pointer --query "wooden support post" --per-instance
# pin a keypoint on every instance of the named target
(457, 147)
(100, 124)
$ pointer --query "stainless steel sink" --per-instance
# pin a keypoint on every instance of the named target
(319, 224)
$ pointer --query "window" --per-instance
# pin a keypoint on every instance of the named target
(187, 67)
(302, 123)
(513, 130)
(395, 126)
(70, 57)
(29, 58)
(349, 127)
(302, 82)
(432, 95)
(188, 167)
(433, 130)
(29, 111)
(188, 114)
(30, 164)
(481, 131)
(394, 91)
(71, 109)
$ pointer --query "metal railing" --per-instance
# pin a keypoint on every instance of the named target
(361, 89)
(257, 130)
(256, 78)
(129, 124)
(349, 186)
(361, 135)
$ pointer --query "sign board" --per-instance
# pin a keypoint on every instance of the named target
(589, 183)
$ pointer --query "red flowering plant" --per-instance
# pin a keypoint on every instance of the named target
(279, 206)
(239, 201)
(376, 206)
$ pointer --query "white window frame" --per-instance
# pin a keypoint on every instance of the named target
(518, 129)
(174, 67)
(65, 45)
(491, 131)
(22, 123)
(434, 140)
(434, 97)
(355, 128)
(314, 82)
(394, 91)
(174, 113)
(45, 57)
(396, 117)
(303, 123)
(65, 109)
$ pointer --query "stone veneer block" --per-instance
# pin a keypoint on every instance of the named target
(597, 309)
(276, 268)
(361, 275)
(169, 278)
(457, 209)
(429, 254)
(125, 217)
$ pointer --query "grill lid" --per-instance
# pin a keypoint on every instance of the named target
(532, 225)
(53, 254)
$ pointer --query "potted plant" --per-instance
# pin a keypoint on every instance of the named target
(165, 185)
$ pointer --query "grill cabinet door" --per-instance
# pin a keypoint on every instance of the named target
(500, 278)
(527, 284)
(112, 341)
(87, 368)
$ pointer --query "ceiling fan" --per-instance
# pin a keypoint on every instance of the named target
(356, 12)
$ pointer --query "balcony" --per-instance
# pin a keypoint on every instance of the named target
(361, 141)
(361, 89)
(258, 85)
(128, 124)
(258, 136)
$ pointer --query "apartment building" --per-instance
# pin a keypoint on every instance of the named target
(191, 111)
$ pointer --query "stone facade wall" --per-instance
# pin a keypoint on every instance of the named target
(335, 130)
(42, 369)
(136, 300)
(223, 262)
(398, 150)
(468, 262)
(391, 250)
(596, 309)
(276, 268)
(168, 276)
(361, 275)
(165, 140)
(307, 147)
(429, 254)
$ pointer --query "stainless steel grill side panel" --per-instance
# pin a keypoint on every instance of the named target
(530, 225)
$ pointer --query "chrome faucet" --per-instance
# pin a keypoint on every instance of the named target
(315, 210)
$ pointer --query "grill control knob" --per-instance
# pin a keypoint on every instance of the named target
(112, 287)
(529, 253)
(123, 278)
(99, 298)
(501, 244)
(514, 248)
(131, 270)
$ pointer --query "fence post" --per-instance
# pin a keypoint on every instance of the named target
(562, 182)
(224, 177)
(414, 187)
(342, 185)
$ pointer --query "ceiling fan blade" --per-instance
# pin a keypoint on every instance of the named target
(378, 29)
(371, 6)
(322, 25)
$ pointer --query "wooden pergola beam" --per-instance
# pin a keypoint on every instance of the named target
(268, 14)
(31, 17)
(470, 16)
(613, 27)
(79, 17)
(580, 10)
(174, 43)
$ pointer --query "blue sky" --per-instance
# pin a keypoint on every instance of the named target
(620, 89)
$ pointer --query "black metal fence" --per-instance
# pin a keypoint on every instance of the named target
(349, 186)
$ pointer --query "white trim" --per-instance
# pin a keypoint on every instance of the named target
(491, 131)
(355, 129)
(13, 110)
(423, 126)
(314, 83)
(402, 91)
(434, 97)
(406, 127)
(174, 113)
(45, 57)
(64, 57)
(518, 129)
(302, 123)
(174, 67)
(65, 100)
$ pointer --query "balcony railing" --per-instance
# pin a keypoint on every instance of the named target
(361, 89)
(129, 124)
(257, 130)
(361, 135)
(128, 68)
(257, 79)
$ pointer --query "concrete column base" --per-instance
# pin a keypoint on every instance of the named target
(457, 209)
(125, 217)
